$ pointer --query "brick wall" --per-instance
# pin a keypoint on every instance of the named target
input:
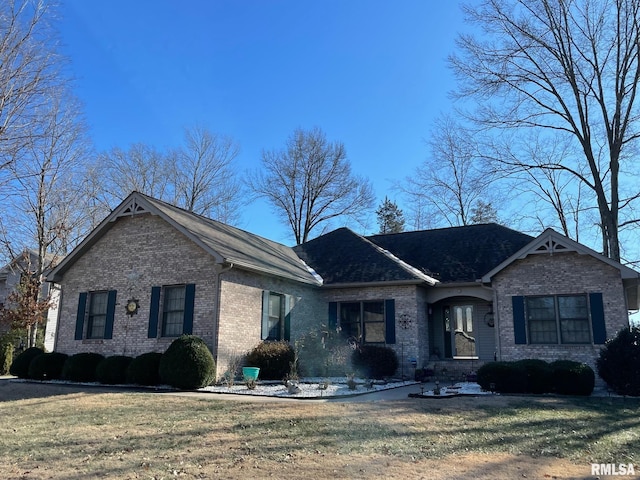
(561, 273)
(160, 255)
(410, 304)
(163, 256)
(241, 311)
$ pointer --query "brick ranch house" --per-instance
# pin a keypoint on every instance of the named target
(455, 296)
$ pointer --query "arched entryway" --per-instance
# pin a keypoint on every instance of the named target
(461, 327)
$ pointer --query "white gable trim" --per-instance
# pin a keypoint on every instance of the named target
(550, 243)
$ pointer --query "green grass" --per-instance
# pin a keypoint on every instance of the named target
(154, 436)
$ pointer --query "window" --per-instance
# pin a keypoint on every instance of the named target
(365, 321)
(276, 316)
(97, 318)
(172, 307)
(173, 311)
(95, 314)
(558, 319)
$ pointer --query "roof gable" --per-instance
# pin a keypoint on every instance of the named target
(551, 242)
(228, 245)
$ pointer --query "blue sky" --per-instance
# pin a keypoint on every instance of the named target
(372, 74)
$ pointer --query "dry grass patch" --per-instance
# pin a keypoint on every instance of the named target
(75, 435)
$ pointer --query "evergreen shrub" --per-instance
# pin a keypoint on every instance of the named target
(619, 362)
(187, 364)
(20, 365)
(81, 367)
(6, 357)
(572, 378)
(274, 358)
(375, 361)
(113, 370)
(144, 369)
(537, 375)
(47, 366)
(506, 377)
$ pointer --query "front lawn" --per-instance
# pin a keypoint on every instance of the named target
(74, 434)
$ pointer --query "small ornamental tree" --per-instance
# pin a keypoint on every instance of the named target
(25, 309)
(619, 362)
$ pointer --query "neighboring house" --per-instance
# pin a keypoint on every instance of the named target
(10, 276)
(455, 296)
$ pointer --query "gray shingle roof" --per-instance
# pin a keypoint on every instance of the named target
(237, 246)
(457, 254)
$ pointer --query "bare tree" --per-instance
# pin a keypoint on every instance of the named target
(310, 182)
(205, 179)
(452, 181)
(552, 197)
(28, 69)
(44, 206)
(141, 168)
(571, 68)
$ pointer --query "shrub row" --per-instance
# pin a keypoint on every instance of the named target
(187, 364)
(537, 376)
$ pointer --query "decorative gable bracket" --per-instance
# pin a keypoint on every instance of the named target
(129, 209)
(551, 246)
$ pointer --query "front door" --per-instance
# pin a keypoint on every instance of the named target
(464, 337)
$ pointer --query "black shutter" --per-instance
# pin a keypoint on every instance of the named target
(390, 320)
(333, 316)
(597, 318)
(154, 312)
(82, 308)
(287, 318)
(189, 304)
(519, 324)
(111, 311)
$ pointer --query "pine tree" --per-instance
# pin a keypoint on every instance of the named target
(390, 217)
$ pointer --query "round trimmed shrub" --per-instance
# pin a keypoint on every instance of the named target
(619, 362)
(507, 377)
(187, 364)
(274, 358)
(113, 370)
(572, 378)
(375, 361)
(537, 374)
(47, 366)
(81, 367)
(20, 364)
(144, 369)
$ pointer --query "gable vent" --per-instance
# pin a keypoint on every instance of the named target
(551, 246)
(132, 208)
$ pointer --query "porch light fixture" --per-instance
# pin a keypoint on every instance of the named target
(488, 317)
